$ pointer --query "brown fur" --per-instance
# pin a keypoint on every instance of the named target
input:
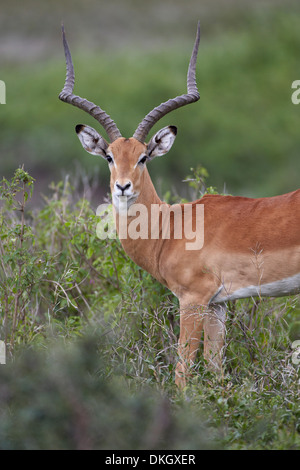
(246, 242)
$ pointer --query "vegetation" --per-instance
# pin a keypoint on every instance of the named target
(91, 345)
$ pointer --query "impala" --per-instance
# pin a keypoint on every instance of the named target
(251, 246)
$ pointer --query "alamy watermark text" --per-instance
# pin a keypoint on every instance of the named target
(160, 221)
(2, 92)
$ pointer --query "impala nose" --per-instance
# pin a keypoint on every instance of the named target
(123, 188)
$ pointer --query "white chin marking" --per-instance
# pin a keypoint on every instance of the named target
(122, 203)
(287, 286)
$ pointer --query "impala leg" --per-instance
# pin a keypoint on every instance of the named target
(214, 336)
(191, 324)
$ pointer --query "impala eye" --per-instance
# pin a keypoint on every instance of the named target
(109, 159)
(143, 159)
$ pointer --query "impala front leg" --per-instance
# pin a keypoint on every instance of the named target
(191, 324)
(192, 321)
(214, 336)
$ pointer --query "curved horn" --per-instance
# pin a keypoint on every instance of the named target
(67, 96)
(164, 108)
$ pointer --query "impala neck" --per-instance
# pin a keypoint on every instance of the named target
(143, 251)
(148, 194)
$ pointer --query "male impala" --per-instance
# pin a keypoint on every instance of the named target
(251, 246)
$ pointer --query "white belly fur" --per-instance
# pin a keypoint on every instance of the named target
(287, 286)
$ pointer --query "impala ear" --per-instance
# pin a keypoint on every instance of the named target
(91, 141)
(161, 142)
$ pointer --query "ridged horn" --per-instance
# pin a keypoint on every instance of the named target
(164, 108)
(67, 96)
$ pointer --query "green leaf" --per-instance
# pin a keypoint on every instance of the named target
(90, 252)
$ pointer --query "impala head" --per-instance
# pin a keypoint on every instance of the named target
(127, 158)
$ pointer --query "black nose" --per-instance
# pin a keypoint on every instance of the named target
(123, 188)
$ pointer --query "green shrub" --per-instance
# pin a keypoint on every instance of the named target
(61, 398)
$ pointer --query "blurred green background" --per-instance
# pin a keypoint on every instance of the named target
(131, 55)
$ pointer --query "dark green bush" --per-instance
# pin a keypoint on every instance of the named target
(61, 398)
